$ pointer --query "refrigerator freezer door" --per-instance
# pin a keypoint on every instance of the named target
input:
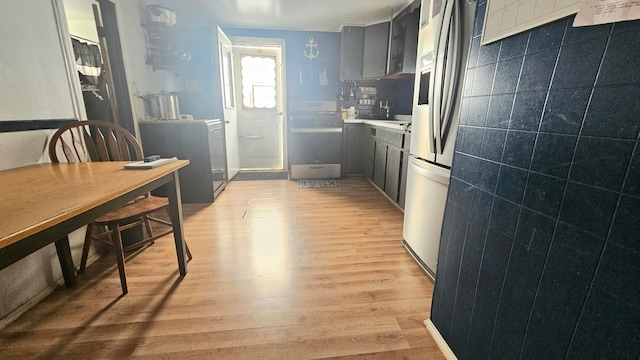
(424, 210)
(424, 145)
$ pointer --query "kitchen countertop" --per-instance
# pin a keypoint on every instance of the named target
(397, 124)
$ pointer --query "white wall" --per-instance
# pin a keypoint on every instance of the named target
(35, 85)
(31, 56)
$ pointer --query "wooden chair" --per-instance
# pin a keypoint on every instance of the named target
(91, 141)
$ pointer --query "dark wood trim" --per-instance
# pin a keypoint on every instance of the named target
(121, 89)
(27, 125)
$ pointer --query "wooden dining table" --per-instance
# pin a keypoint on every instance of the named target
(41, 204)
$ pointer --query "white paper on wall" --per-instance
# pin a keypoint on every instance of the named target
(594, 12)
(504, 18)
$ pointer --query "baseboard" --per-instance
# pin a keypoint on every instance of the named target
(442, 344)
(385, 195)
(12, 316)
(15, 314)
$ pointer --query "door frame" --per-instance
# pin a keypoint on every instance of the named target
(283, 91)
(229, 114)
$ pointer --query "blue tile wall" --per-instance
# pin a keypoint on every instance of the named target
(540, 248)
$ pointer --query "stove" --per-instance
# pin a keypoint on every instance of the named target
(315, 139)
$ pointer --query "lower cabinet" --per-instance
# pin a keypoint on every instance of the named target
(406, 145)
(353, 149)
(385, 160)
(380, 164)
(369, 151)
(384, 156)
(199, 141)
(404, 168)
(392, 176)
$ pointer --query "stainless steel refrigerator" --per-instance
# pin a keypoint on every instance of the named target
(443, 46)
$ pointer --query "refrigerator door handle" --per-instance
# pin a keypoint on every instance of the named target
(454, 71)
(446, 64)
(435, 85)
(440, 72)
(450, 72)
(432, 174)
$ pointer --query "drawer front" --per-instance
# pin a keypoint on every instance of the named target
(393, 138)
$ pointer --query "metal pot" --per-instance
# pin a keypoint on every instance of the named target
(163, 106)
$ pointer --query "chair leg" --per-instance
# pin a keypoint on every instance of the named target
(188, 251)
(117, 243)
(85, 247)
(147, 224)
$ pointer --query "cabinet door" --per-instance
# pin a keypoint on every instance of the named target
(369, 151)
(392, 176)
(353, 149)
(370, 143)
(403, 178)
(352, 52)
(376, 45)
(404, 40)
(380, 164)
(185, 141)
(368, 169)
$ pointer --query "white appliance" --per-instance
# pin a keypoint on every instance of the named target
(443, 46)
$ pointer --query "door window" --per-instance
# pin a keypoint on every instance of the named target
(258, 82)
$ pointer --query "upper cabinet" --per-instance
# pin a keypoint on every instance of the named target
(352, 52)
(376, 45)
(403, 45)
(384, 50)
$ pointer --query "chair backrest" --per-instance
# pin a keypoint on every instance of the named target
(93, 141)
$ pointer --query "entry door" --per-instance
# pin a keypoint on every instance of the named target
(260, 117)
(229, 103)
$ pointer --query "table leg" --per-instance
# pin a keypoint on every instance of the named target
(66, 261)
(175, 211)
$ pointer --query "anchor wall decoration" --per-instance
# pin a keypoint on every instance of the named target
(311, 44)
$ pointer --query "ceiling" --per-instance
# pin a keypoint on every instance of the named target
(317, 15)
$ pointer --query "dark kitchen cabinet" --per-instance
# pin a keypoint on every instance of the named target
(352, 149)
(369, 151)
(199, 141)
(368, 169)
(352, 52)
(380, 164)
(392, 172)
(376, 47)
(404, 169)
(403, 46)
(386, 160)
(391, 142)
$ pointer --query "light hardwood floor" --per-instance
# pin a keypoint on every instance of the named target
(278, 272)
